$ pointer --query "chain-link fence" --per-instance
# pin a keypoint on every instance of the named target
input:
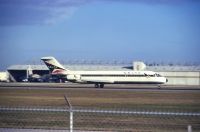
(84, 119)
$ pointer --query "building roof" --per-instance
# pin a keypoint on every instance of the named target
(174, 68)
(106, 67)
(25, 67)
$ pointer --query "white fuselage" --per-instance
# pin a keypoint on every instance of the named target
(99, 78)
(118, 77)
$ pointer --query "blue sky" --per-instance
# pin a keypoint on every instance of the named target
(149, 30)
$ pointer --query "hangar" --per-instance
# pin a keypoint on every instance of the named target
(19, 72)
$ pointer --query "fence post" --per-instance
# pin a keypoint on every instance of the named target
(70, 114)
(71, 121)
(189, 128)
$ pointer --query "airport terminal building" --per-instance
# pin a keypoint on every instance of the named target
(176, 75)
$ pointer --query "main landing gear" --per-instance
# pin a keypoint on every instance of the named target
(99, 85)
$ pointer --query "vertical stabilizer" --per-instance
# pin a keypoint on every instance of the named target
(52, 63)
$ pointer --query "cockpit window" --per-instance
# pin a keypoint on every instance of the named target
(153, 75)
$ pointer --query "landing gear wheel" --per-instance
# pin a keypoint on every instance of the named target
(159, 87)
(96, 85)
(101, 85)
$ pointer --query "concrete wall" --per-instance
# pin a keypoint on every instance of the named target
(182, 77)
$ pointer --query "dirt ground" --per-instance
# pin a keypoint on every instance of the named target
(122, 99)
(150, 100)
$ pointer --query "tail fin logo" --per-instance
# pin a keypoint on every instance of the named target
(58, 71)
(52, 63)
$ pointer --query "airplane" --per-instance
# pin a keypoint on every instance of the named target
(99, 78)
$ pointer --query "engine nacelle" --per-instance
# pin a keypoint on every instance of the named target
(73, 77)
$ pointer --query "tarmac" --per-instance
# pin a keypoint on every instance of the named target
(122, 87)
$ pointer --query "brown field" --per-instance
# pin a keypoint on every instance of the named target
(176, 101)
(101, 98)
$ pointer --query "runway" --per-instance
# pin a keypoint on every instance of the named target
(31, 130)
(122, 87)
